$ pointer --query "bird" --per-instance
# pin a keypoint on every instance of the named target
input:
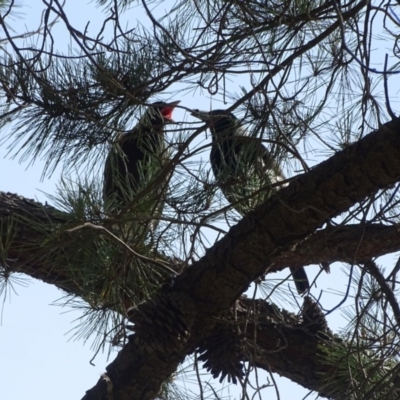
(133, 162)
(244, 169)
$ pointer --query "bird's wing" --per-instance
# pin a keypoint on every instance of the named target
(270, 165)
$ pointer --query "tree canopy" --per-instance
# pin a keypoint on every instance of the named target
(315, 82)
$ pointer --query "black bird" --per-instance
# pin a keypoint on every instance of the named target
(244, 169)
(134, 161)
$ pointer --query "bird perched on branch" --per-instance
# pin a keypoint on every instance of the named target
(133, 167)
(244, 169)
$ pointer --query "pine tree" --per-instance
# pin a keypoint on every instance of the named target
(310, 81)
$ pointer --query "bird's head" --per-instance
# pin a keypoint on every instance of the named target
(160, 113)
(220, 121)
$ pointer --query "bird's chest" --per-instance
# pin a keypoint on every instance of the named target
(241, 173)
(235, 159)
(141, 157)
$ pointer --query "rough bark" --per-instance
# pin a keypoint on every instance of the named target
(171, 325)
(355, 243)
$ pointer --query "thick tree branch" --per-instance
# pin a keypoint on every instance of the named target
(186, 310)
(355, 243)
(211, 286)
(282, 342)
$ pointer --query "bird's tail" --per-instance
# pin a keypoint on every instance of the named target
(300, 279)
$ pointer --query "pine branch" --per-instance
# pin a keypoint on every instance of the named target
(350, 244)
(211, 285)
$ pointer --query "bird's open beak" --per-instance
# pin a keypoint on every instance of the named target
(202, 115)
(167, 110)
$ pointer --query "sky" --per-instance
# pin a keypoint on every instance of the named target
(39, 360)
